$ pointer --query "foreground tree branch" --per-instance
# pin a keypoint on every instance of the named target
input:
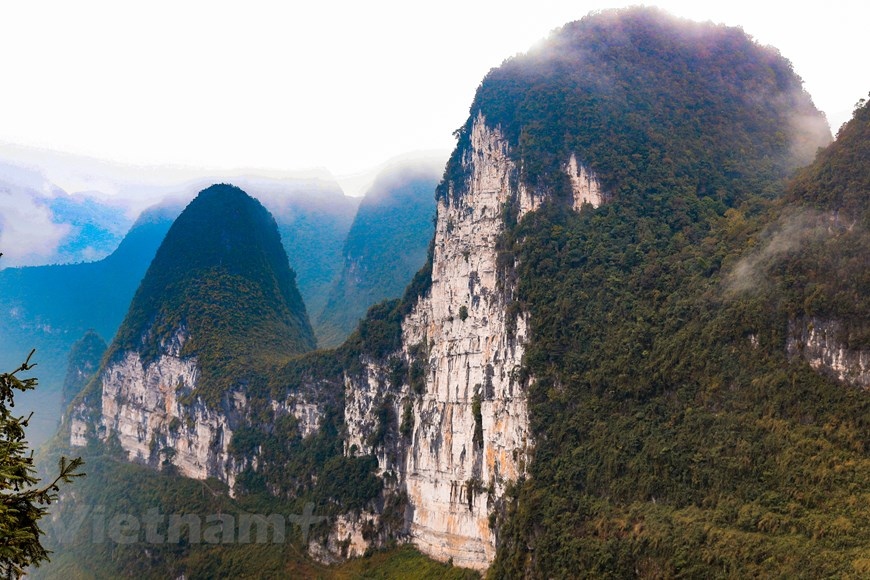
(22, 501)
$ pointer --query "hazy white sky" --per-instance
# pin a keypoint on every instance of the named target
(340, 85)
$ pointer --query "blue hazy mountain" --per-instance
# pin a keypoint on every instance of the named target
(385, 246)
(97, 228)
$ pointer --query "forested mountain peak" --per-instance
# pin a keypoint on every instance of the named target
(647, 100)
(221, 275)
(672, 428)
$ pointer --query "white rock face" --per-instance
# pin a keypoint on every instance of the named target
(307, 414)
(154, 413)
(585, 185)
(345, 539)
(145, 408)
(473, 344)
(78, 432)
(817, 341)
(477, 355)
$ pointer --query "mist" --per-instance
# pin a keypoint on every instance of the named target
(784, 238)
(28, 232)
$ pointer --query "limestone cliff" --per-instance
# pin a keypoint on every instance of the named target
(465, 423)
(151, 411)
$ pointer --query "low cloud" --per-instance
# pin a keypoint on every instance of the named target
(27, 233)
(808, 132)
(780, 240)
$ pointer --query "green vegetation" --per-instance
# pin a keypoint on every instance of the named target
(838, 178)
(830, 224)
(665, 441)
(83, 361)
(404, 563)
(221, 276)
(293, 466)
(293, 472)
(314, 472)
(477, 438)
(406, 428)
(115, 488)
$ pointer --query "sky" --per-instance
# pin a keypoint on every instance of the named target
(340, 86)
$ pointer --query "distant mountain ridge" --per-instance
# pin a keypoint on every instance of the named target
(51, 307)
(385, 246)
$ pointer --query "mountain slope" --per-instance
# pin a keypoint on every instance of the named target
(838, 179)
(829, 222)
(385, 246)
(84, 360)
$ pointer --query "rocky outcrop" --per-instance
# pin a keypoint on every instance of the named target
(345, 539)
(151, 410)
(821, 344)
(584, 184)
(471, 433)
